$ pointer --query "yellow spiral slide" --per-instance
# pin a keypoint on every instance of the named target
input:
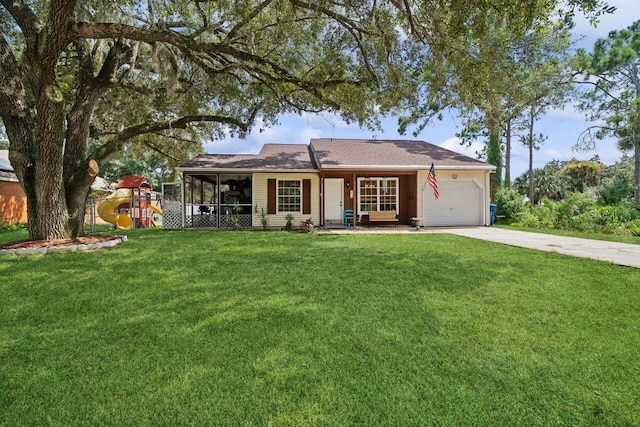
(107, 207)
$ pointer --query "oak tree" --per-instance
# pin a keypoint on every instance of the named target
(167, 74)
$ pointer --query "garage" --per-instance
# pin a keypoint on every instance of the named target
(459, 204)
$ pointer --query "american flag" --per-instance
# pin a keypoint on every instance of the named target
(433, 181)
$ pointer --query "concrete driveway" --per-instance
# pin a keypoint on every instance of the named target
(616, 253)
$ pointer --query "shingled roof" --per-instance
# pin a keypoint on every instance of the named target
(271, 157)
(365, 153)
(133, 181)
(6, 170)
(330, 153)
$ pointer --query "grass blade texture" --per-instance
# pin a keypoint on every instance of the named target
(257, 328)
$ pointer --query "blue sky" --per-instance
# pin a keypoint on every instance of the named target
(562, 127)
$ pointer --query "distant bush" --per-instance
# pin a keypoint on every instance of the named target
(574, 212)
(537, 216)
(617, 182)
(582, 213)
(632, 228)
(509, 203)
(615, 190)
(624, 211)
(602, 202)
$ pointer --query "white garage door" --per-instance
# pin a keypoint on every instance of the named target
(460, 203)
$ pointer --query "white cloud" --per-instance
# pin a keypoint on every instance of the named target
(305, 135)
(453, 144)
(519, 150)
(260, 135)
(323, 121)
(275, 135)
(232, 146)
(627, 12)
(567, 113)
(552, 153)
(606, 150)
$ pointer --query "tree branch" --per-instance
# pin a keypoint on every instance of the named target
(189, 47)
(176, 138)
(587, 140)
(135, 88)
(12, 92)
(158, 150)
(599, 87)
(56, 39)
(26, 19)
(15, 113)
(127, 134)
(245, 21)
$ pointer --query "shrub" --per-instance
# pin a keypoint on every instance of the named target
(616, 215)
(538, 216)
(633, 228)
(574, 212)
(264, 217)
(11, 226)
(528, 219)
(508, 203)
(580, 212)
(617, 182)
(616, 189)
(289, 225)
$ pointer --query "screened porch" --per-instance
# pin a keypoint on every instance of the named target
(218, 201)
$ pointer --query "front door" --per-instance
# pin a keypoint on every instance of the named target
(333, 196)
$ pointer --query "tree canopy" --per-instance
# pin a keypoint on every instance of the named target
(169, 73)
(492, 72)
(612, 72)
(166, 74)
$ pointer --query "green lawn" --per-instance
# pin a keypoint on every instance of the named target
(273, 328)
(12, 236)
(23, 234)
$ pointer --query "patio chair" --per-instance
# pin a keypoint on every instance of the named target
(348, 218)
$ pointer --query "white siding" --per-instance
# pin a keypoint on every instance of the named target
(259, 194)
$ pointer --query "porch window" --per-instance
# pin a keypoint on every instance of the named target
(377, 195)
(289, 196)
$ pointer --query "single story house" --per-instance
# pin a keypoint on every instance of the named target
(321, 180)
(13, 201)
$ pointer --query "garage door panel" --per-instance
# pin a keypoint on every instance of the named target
(460, 203)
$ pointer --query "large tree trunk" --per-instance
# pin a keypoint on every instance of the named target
(77, 190)
(36, 132)
(51, 212)
(39, 170)
(35, 146)
(21, 137)
(76, 205)
(78, 174)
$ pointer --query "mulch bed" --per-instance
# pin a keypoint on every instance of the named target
(58, 243)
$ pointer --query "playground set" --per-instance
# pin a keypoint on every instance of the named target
(130, 205)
